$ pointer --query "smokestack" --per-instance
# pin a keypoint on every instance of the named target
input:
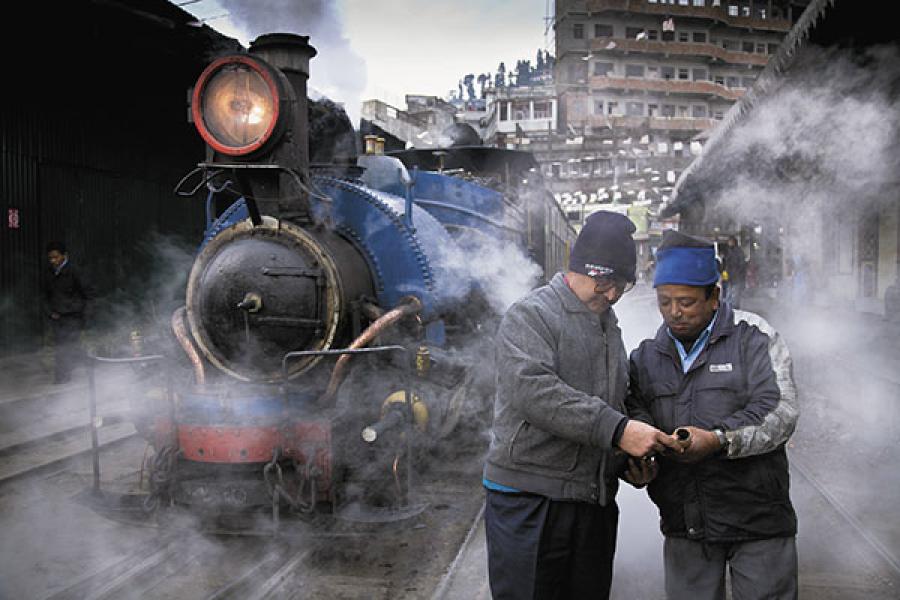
(291, 55)
(371, 144)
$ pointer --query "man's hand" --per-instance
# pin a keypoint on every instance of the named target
(703, 444)
(640, 440)
(641, 471)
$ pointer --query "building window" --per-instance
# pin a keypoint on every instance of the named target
(745, 10)
(699, 2)
(603, 30)
(667, 72)
(732, 82)
(612, 108)
(598, 107)
(668, 110)
(683, 73)
(760, 48)
(578, 72)
(683, 112)
(683, 36)
(503, 111)
(698, 111)
(747, 47)
(578, 31)
(773, 48)
(720, 80)
(699, 37)
(634, 109)
(747, 82)
(652, 110)
(603, 69)
(521, 111)
(555, 170)
(634, 70)
(699, 75)
(732, 10)
(542, 110)
(632, 32)
(730, 44)
(668, 36)
(652, 35)
(718, 115)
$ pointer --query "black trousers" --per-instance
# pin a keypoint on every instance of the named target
(545, 549)
(67, 345)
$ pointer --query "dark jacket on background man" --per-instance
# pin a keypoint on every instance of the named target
(740, 383)
(66, 293)
(735, 263)
(562, 378)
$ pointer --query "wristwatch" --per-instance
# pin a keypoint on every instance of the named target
(723, 440)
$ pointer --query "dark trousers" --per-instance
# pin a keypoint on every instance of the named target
(67, 345)
(540, 548)
(760, 570)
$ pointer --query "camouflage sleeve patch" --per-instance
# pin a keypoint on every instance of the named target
(778, 425)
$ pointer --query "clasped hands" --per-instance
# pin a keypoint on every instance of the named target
(643, 442)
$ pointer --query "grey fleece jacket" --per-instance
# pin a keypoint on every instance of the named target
(561, 384)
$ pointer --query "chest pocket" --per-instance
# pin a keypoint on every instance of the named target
(663, 407)
(717, 394)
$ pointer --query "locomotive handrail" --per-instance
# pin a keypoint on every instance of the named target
(92, 402)
(465, 211)
(300, 353)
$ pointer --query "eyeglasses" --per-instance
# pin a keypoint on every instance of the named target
(605, 283)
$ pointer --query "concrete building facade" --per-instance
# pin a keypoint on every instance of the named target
(641, 83)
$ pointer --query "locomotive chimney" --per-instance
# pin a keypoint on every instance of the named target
(291, 55)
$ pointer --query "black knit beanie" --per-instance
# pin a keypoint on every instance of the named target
(605, 246)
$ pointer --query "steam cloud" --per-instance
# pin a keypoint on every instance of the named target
(822, 145)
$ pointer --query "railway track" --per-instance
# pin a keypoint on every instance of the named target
(326, 558)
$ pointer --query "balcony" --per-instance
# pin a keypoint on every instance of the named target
(718, 13)
(680, 49)
(667, 86)
(656, 123)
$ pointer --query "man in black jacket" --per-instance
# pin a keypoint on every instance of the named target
(66, 297)
(725, 376)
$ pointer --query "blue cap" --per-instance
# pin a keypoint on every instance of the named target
(685, 260)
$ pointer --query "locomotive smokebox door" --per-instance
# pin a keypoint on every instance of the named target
(256, 293)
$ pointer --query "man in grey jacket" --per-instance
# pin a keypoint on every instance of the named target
(560, 435)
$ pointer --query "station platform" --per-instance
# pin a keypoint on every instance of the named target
(847, 367)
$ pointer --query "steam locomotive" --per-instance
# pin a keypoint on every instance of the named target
(337, 317)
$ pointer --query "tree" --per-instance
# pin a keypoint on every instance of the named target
(470, 87)
(482, 79)
(500, 77)
(539, 63)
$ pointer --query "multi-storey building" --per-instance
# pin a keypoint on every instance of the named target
(639, 84)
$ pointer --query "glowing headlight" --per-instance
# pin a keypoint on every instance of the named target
(237, 104)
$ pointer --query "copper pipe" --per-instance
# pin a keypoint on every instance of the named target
(410, 305)
(183, 337)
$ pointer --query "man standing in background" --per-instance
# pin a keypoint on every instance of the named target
(560, 435)
(736, 267)
(65, 302)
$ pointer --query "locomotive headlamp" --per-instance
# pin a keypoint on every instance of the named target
(239, 105)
